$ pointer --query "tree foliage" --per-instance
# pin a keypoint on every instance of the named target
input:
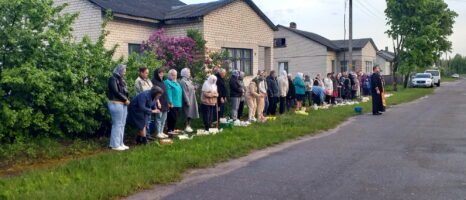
(49, 85)
(420, 30)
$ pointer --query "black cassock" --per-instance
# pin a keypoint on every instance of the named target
(377, 104)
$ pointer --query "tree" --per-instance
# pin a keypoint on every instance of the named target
(49, 85)
(419, 30)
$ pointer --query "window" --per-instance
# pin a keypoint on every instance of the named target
(279, 42)
(283, 66)
(345, 67)
(368, 66)
(134, 48)
(241, 60)
(334, 67)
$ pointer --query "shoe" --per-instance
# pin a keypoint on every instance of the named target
(120, 148)
(162, 136)
(376, 113)
(189, 129)
(126, 147)
(150, 138)
(142, 140)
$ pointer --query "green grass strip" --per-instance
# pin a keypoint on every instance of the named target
(119, 174)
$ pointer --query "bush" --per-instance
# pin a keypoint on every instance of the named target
(49, 86)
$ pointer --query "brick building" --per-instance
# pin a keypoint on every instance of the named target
(237, 26)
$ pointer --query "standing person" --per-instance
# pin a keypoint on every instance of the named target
(340, 80)
(335, 88)
(262, 85)
(308, 93)
(140, 109)
(222, 93)
(291, 95)
(266, 99)
(273, 92)
(365, 84)
(284, 87)
(236, 92)
(300, 90)
(118, 106)
(190, 108)
(319, 80)
(142, 84)
(241, 104)
(347, 86)
(357, 85)
(252, 96)
(174, 94)
(352, 88)
(377, 90)
(328, 86)
(209, 98)
(318, 94)
(162, 104)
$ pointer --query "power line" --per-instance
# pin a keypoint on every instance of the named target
(368, 11)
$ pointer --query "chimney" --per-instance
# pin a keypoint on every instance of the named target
(386, 48)
(293, 25)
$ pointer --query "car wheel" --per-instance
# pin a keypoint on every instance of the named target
(438, 84)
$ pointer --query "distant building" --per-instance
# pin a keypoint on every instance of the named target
(385, 59)
(301, 51)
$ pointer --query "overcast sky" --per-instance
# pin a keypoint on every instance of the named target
(325, 17)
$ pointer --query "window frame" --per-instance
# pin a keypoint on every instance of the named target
(239, 62)
(282, 43)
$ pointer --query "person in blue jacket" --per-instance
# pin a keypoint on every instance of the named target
(174, 94)
(318, 93)
(140, 109)
(300, 89)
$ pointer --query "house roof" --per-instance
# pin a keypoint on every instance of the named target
(387, 55)
(357, 43)
(152, 9)
(314, 37)
(171, 9)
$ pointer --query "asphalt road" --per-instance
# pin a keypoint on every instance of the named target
(414, 151)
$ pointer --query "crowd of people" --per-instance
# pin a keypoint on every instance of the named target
(159, 101)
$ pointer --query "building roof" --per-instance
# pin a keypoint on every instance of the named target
(357, 43)
(152, 9)
(314, 37)
(171, 9)
(387, 55)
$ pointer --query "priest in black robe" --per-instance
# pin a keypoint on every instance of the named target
(377, 91)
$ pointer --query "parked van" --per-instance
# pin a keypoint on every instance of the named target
(435, 75)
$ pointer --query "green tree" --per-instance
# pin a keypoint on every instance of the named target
(420, 30)
(49, 85)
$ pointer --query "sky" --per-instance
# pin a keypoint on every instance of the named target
(326, 18)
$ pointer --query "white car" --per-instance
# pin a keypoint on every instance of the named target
(455, 76)
(423, 80)
(436, 75)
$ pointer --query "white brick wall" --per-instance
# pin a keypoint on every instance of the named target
(180, 30)
(303, 55)
(124, 32)
(89, 21)
(239, 26)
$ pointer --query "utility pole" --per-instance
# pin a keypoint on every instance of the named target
(350, 41)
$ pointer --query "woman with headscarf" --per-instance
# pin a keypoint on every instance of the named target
(118, 106)
(291, 95)
(300, 87)
(162, 103)
(209, 99)
(318, 93)
(283, 87)
(328, 86)
(174, 94)
(189, 98)
(140, 109)
(262, 85)
(339, 79)
(251, 97)
(319, 79)
(241, 104)
(236, 92)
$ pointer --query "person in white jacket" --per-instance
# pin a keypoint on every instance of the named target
(328, 86)
(283, 86)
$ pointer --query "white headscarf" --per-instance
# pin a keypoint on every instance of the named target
(300, 75)
(170, 73)
(210, 84)
(184, 73)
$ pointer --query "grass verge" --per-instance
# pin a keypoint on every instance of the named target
(118, 174)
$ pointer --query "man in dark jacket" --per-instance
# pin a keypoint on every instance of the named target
(222, 93)
(376, 90)
(291, 96)
(273, 92)
(162, 103)
(236, 93)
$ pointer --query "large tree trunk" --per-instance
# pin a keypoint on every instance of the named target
(405, 84)
(395, 78)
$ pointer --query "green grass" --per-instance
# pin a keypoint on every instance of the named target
(118, 174)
